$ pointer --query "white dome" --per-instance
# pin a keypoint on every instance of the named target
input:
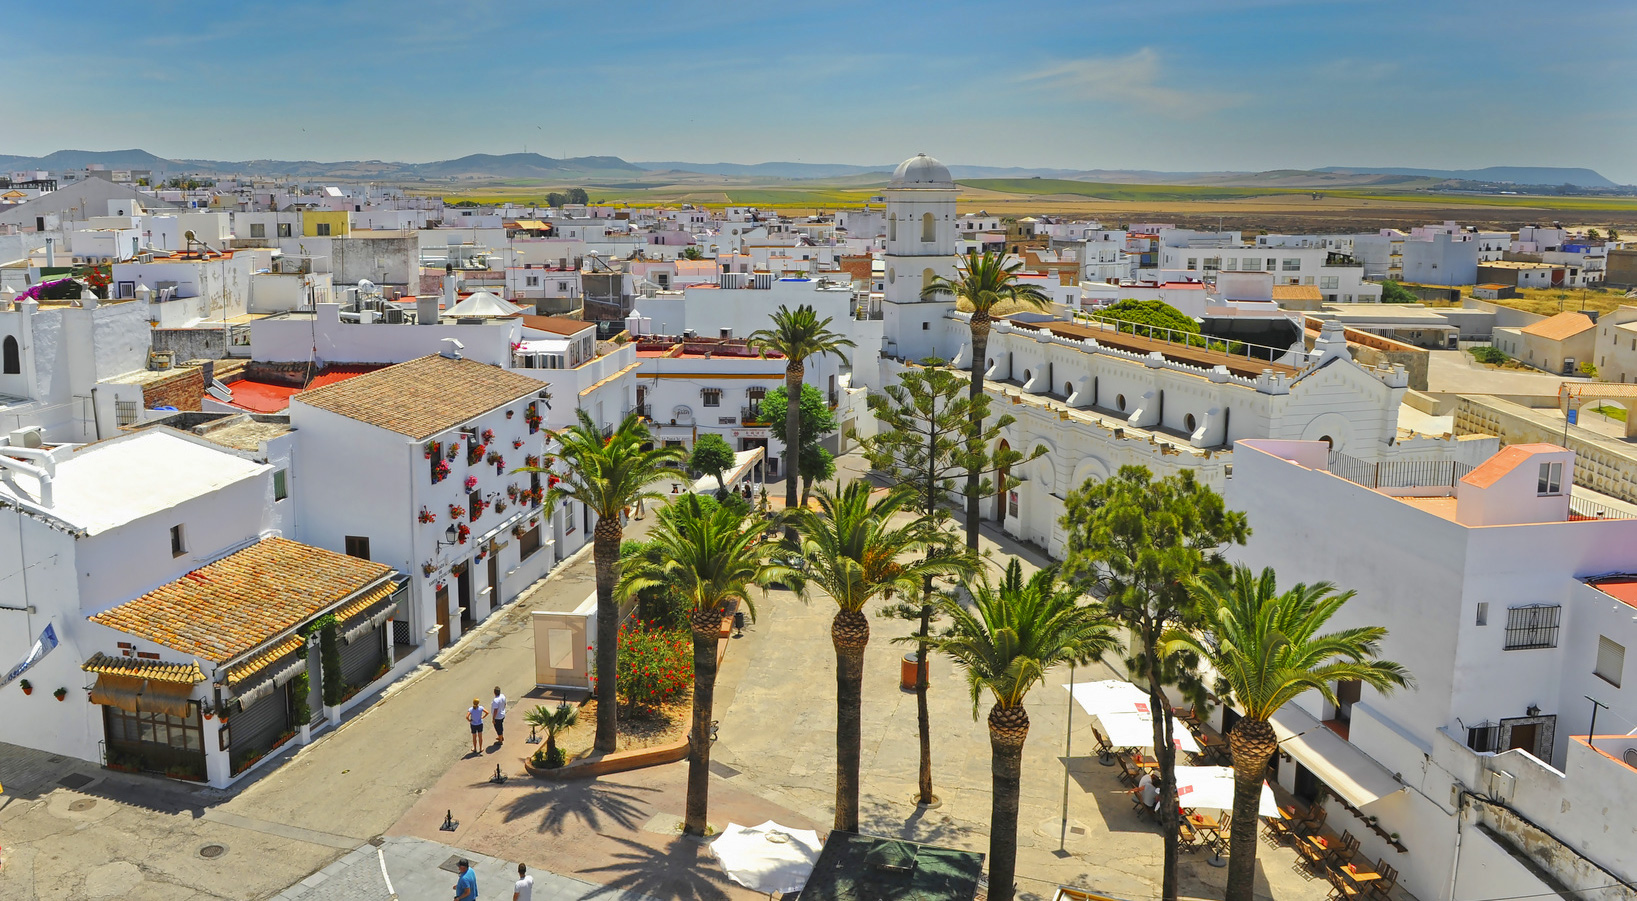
(921, 169)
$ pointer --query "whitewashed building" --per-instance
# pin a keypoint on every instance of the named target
(1511, 601)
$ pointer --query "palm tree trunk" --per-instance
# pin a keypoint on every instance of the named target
(706, 627)
(850, 633)
(1008, 728)
(605, 554)
(923, 717)
(794, 372)
(1166, 754)
(1252, 743)
(980, 364)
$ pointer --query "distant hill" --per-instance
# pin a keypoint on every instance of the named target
(477, 166)
(1517, 175)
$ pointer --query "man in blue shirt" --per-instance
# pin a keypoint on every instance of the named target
(466, 885)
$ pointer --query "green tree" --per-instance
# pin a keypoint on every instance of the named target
(556, 199)
(985, 281)
(577, 195)
(815, 420)
(852, 550)
(711, 556)
(1267, 649)
(711, 454)
(1393, 292)
(1006, 643)
(553, 721)
(608, 475)
(334, 686)
(922, 445)
(692, 252)
(1137, 542)
(796, 334)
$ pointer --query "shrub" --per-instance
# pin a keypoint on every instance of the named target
(1393, 292)
(655, 664)
(1488, 355)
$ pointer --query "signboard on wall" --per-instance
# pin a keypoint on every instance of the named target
(753, 434)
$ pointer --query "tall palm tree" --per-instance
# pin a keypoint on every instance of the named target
(1013, 634)
(851, 548)
(985, 281)
(1267, 649)
(709, 555)
(797, 334)
(608, 475)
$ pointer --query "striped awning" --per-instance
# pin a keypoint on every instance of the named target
(134, 695)
(252, 666)
(361, 605)
(137, 668)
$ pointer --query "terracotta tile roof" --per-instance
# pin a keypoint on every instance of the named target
(253, 665)
(1559, 327)
(422, 397)
(1621, 588)
(1504, 462)
(226, 609)
(137, 668)
(365, 601)
(561, 325)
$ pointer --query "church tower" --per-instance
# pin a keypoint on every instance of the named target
(920, 244)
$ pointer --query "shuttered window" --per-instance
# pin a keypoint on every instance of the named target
(1611, 660)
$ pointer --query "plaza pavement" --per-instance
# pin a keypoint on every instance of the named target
(378, 788)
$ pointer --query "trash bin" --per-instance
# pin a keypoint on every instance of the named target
(906, 672)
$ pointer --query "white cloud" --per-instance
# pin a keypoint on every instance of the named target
(1136, 79)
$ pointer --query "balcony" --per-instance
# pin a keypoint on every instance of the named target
(646, 411)
(752, 416)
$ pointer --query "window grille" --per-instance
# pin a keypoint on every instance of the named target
(1484, 737)
(1533, 626)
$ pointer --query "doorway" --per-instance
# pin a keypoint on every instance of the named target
(443, 615)
(463, 594)
(495, 598)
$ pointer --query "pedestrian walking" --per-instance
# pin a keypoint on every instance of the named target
(497, 712)
(475, 716)
(524, 890)
(466, 884)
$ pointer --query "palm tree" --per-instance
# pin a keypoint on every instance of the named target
(797, 334)
(853, 551)
(1266, 647)
(708, 555)
(608, 475)
(552, 720)
(985, 281)
(1006, 643)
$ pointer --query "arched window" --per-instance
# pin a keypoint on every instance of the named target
(1188, 423)
(1119, 402)
(927, 275)
(892, 227)
(13, 360)
(929, 229)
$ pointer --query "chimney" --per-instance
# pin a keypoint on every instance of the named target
(50, 252)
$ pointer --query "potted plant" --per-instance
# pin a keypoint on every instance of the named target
(26, 686)
(60, 694)
(488, 436)
(427, 569)
(509, 413)
(553, 721)
(463, 533)
(471, 482)
(428, 516)
(517, 443)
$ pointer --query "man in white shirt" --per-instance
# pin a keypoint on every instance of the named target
(497, 712)
(525, 885)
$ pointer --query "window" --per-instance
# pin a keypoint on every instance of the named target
(1212, 264)
(926, 326)
(258, 229)
(323, 229)
(1293, 264)
(892, 227)
(1272, 264)
(528, 544)
(281, 487)
(1329, 282)
(357, 546)
(179, 545)
(929, 229)
(1484, 737)
(1193, 263)
(532, 281)
(1532, 626)
(1611, 659)
(1230, 264)
(711, 397)
(1483, 613)
(474, 505)
(12, 362)
(284, 229)
(1551, 479)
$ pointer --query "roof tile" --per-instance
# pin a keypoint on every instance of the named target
(422, 397)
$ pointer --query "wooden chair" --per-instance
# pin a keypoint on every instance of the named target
(1343, 853)
(1188, 836)
(1128, 774)
(1310, 857)
(1381, 889)
(1340, 888)
(1105, 751)
(1314, 821)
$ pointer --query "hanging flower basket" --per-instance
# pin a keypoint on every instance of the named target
(440, 470)
(427, 569)
(500, 506)
(494, 457)
(474, 454)
(488, 436)
(428, 450)
(531, 415)
(509, 413)
(511, 492)
(428, 516)
(60, 694)
(452, 451)
(471, 482)
(464, 533)
(456, 511)
(517, 443)
(532, 461)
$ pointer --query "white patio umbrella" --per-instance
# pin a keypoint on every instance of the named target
(1211, 788)
(1136, 730)
(767, 858)
(1109, 696)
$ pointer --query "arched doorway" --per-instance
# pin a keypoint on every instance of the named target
(1001, 475)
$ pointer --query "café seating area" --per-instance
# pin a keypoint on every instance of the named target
(1321, 854)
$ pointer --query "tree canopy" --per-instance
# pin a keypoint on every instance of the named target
(814, 414)
(711, 454)
(1393, 292)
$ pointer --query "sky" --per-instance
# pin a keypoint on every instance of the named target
(1171, 85)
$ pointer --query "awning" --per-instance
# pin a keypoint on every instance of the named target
(143, 695)
(371, 618)
(1338, 763)
(272, 678)
(251, 668)
(139, 668)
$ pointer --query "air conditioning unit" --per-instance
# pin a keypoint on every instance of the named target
(32, 436)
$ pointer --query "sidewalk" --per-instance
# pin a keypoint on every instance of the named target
(421, 870)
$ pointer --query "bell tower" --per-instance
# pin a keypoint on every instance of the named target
(920, 244)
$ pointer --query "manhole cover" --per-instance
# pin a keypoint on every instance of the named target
(212, 851)
(74, 780)
(452, 864)
(723, 770)
(82, 804)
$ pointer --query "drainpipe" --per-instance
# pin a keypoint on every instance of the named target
(38, 472)
(1455, 867)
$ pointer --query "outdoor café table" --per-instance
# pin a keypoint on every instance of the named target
(1359, 874)
(1206, 825)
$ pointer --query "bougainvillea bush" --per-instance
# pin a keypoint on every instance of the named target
(655, 665)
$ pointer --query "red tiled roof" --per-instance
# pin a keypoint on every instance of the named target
(224, 609)
(1621, 588)
(272, 397)
(1504, 462)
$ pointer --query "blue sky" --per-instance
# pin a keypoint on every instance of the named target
(1170, 85)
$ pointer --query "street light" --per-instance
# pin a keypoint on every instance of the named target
(450, 536)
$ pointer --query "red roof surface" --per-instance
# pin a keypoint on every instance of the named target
(270, 397)
(1504, 462)
(1621, 588)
